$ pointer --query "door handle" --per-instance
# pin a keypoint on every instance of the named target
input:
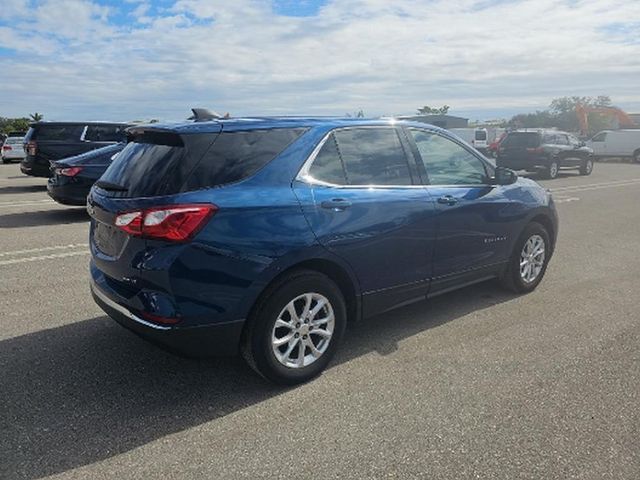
(448, 200)
(336, 204)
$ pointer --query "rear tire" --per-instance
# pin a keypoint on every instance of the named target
(4, 160)
(552, 170)
(636, 157)
(515, 276)
(586, 167)
(304, 355)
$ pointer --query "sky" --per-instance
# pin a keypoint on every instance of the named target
(140, 59)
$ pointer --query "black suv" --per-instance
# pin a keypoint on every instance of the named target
(47, 142)
(546, 150)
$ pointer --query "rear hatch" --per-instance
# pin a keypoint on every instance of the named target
(519, 146)
(153, 164)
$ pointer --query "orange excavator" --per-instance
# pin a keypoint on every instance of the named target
(583, 111)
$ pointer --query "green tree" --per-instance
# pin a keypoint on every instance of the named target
(427, 110)
(36, 117)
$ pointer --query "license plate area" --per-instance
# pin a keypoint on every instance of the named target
(108, 239)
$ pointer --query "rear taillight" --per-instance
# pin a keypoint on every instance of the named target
(68, 172)
(176, 223)
(31, 148)
(6, 147)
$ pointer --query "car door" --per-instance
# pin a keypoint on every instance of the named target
(476, 219)
(364, 202)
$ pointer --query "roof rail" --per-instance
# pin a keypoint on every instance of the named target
(204, 115)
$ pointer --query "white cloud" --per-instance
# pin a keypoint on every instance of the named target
(384, 57)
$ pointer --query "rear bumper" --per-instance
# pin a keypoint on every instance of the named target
(200, 341)
(68, 194)
(35, 169)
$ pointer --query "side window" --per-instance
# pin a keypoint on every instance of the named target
(446, 162)
(561, 140)
(105, 133)
(599, 137)
(373, 156)
(327, 166)
(573, 141)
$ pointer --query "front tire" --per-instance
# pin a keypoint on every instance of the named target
(295, 328)
(529, 260)
(586, 167)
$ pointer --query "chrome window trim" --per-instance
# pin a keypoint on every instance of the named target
(84, 133)
(303, 174)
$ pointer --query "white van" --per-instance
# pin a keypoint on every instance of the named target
(478, 137)
(616, 143)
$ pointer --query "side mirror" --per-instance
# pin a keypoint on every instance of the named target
(505, 176)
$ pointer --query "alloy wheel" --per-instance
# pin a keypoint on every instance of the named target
(532, 258)
(303, 330)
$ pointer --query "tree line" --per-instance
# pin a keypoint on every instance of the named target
(560, 114)
(9, 125)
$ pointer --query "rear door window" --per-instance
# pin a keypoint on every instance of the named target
(600, 137)
(105, 133)
(57, 133)
(373, 156)
(481, 135)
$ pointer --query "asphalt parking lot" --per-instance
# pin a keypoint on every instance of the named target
(474, 384)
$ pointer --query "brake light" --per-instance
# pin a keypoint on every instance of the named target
(175, 223)
(6, 147)
(31, 147)
(68, 172)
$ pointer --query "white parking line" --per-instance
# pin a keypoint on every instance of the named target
(566, 199)
(44, 249)
(596, 186)
(41, 257)
(25, 203)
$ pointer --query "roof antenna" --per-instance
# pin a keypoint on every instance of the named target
(204, 114)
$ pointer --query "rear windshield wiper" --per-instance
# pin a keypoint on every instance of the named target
(111, 186)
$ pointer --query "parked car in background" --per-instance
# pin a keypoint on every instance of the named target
(48, 142)
(492, 149)
(617, 143)
(266, 235)
(544, 150)
(476, 137)
(73, 177)
(12, 149)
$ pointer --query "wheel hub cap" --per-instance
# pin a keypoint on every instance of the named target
(303, 330)
(532, 258)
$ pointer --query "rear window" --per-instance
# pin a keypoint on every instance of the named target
(57, 133)
(14, 141)
(521, 139)
(105, 133)
(481, 135)
(164, 163)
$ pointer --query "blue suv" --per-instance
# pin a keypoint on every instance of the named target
(267, 235)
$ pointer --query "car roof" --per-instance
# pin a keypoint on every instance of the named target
(256, 123)
(48, 123)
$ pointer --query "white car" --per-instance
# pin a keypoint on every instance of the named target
(617, 143)
(12, 149)
(478, 137)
